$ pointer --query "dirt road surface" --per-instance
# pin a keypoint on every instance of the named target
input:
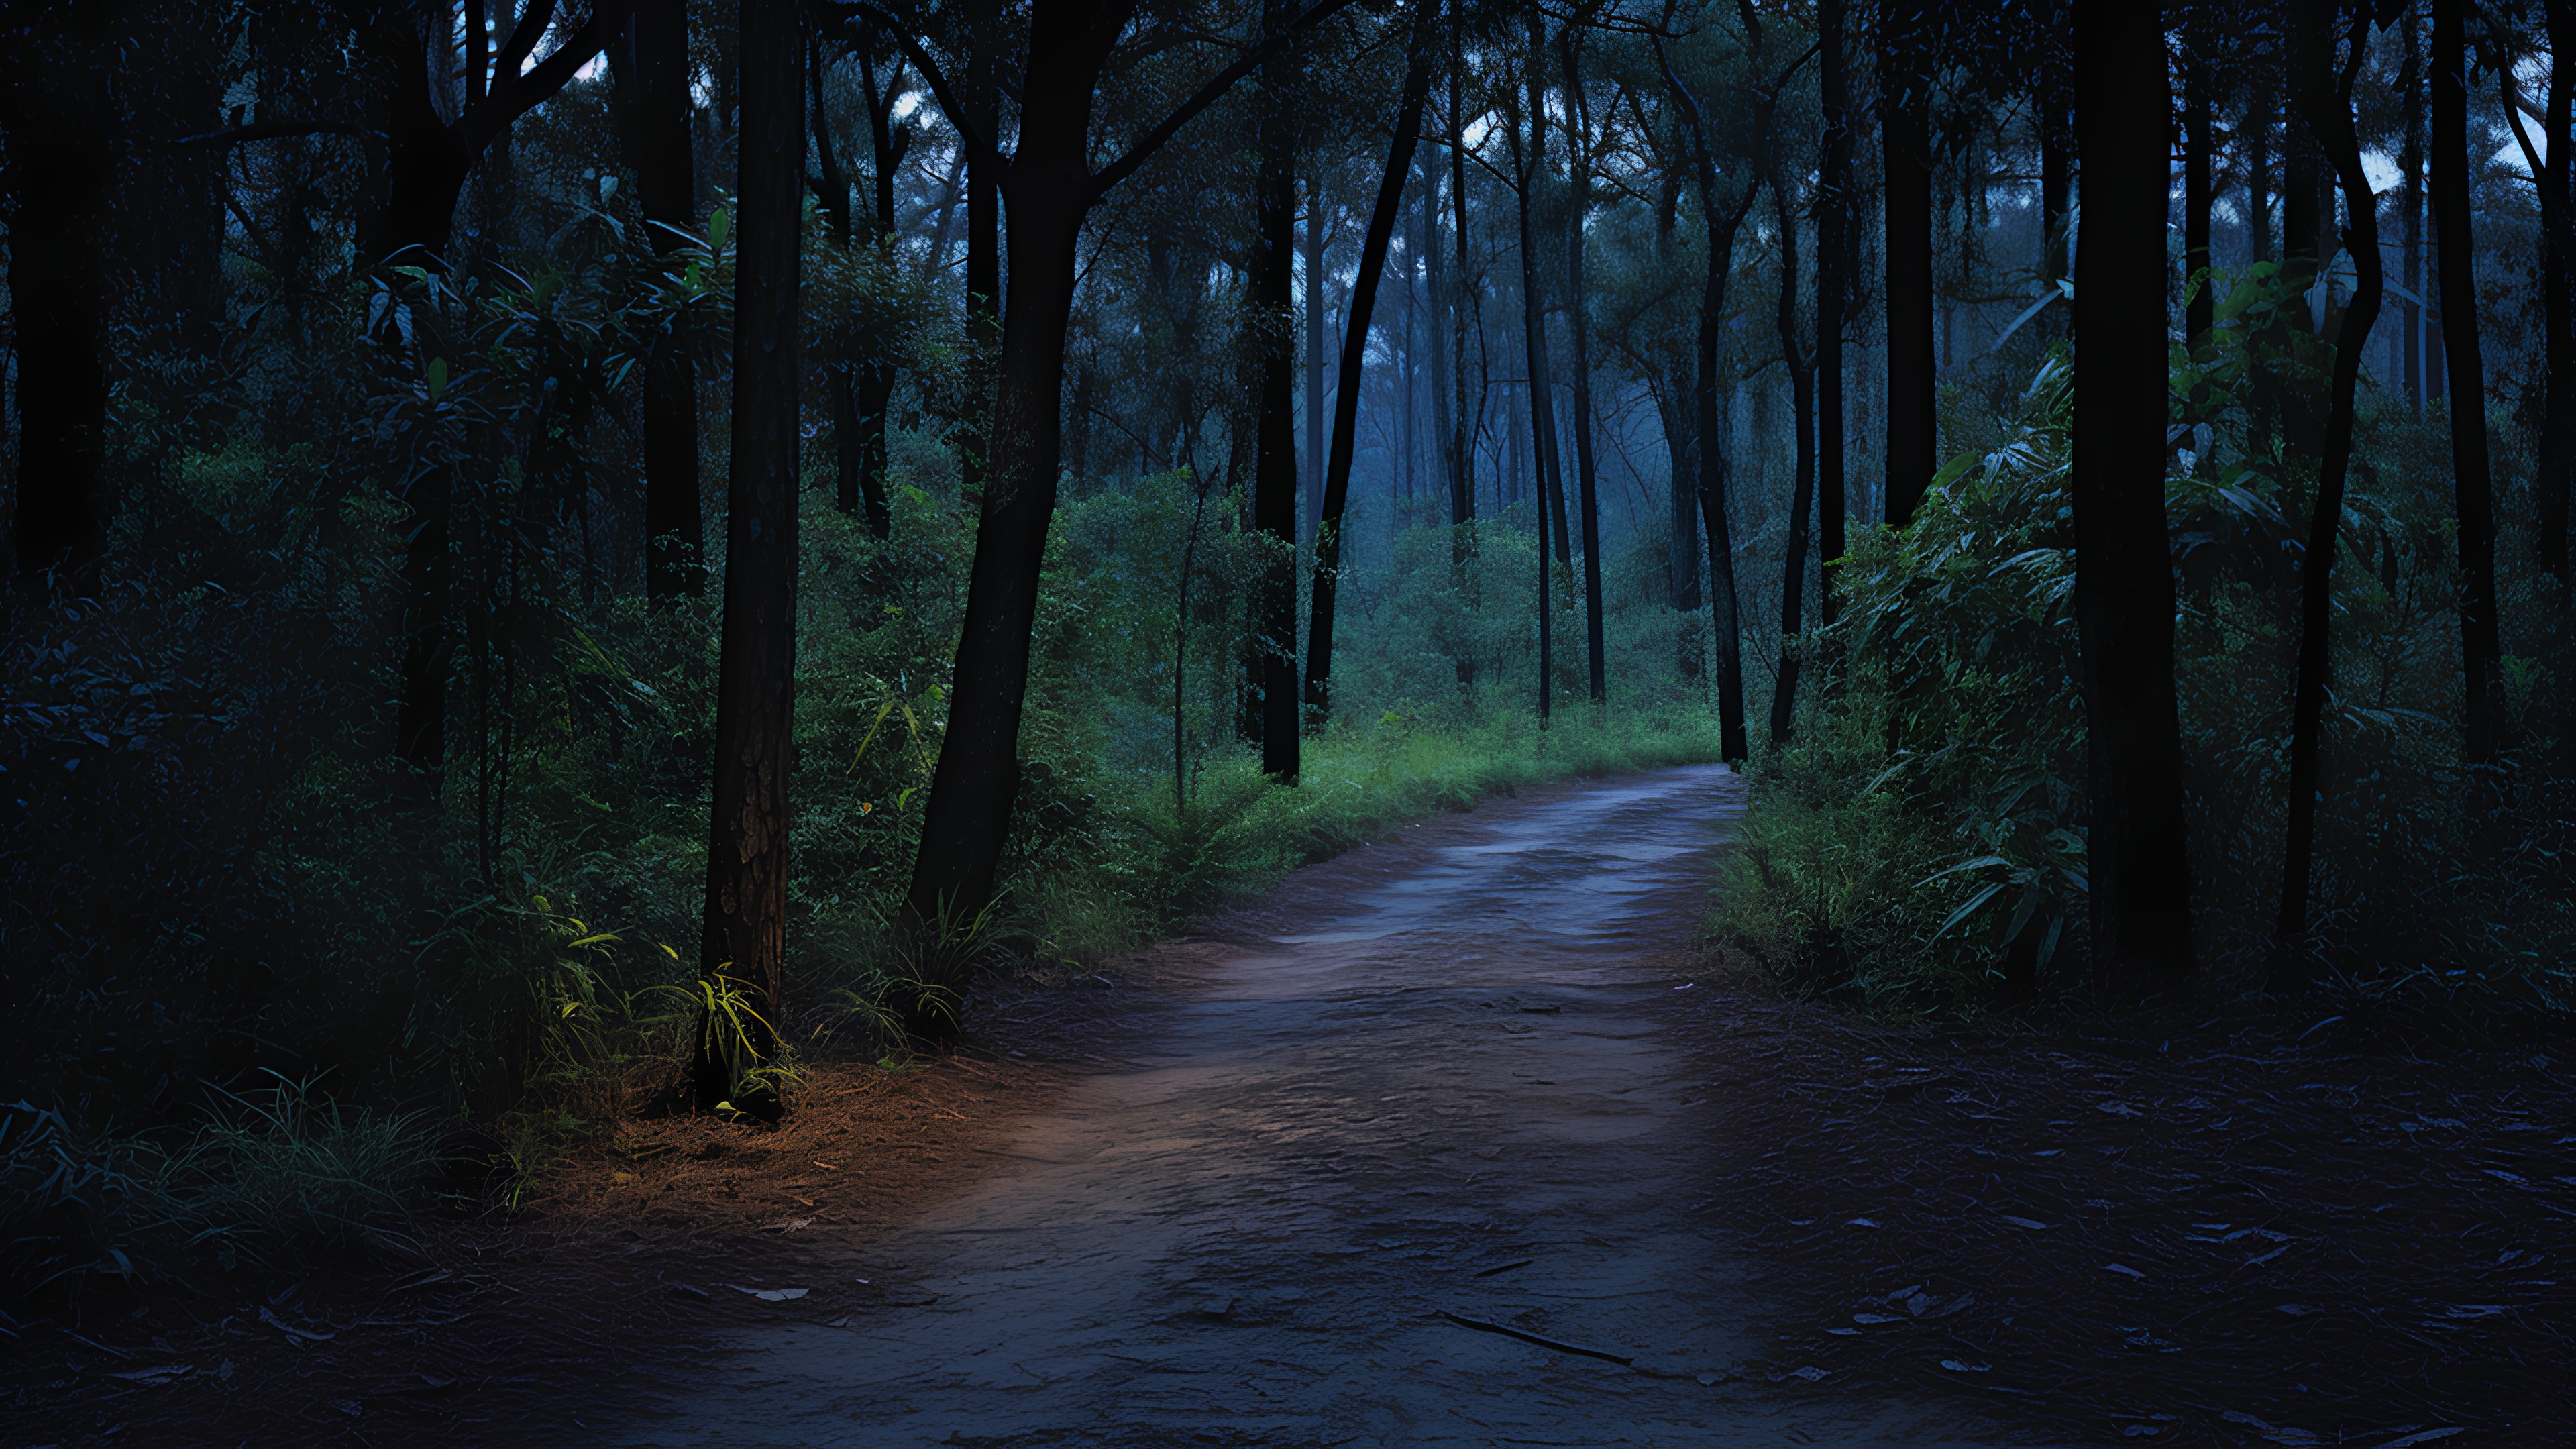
(1420, 1088)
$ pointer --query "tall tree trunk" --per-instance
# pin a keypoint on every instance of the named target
(1465, 304)
(1802, 398)
(745, 940)
(1444, 442)
(1548, 462)
(1705, 425)
(652, 70)
(1577, 310)
(1527, 168)
(61, 157)
(1355, 334)
(2557, 462)
(2410, 168)
(1905, 129)
(2326, 100)
(983, 235)
(1833, 251)
(2472, 485)
(1311, 473)
(2200, 309)
(2140, 871)
(2258, 177)
(1275, 475)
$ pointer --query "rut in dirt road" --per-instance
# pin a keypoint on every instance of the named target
(1421, 1080)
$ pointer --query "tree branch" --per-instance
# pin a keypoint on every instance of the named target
(533, 89)
(979, 147)
(1207, 95)
(265, 131)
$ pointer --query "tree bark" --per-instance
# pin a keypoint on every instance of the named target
(2473, 487)
(1355, 334)
(1311, 473)
(1802, 399)
(2410, 169)
(1707, 435)
(745, 939)
(652, 69)
(1527, 168)
(1577, 172)
(2200, 307)
(983, 235)
(2258, 178)
(2139, 868)
(1275, 475)
(1904, 113)
(1833, 257)
(978, 774)
(2557, 461)
(62, 157)
(2325, 99)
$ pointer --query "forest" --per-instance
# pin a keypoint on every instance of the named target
(590, 568)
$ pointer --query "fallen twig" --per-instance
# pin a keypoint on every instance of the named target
(1508, 1331)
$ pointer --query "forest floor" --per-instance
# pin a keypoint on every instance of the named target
(1455, 1140)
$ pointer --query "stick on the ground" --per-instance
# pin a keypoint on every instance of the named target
(1509, 1332)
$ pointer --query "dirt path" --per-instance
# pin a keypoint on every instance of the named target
(1427, 1078)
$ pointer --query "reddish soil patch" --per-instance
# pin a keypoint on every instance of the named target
(2155, 1231)
(618, 1275)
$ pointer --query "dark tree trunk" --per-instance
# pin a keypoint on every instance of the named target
(2258, 177)
(2056, 185)
(1674, 403)
(1547, 463)
(1705, 428)
(1527, 168)
(2473, 488)
(983, 235)
(652, 68)
(61, 163)
(1802, 398)
(2140, 872)
(1833, 254)
(746, 915)
(1462, 307)
(2300, 174)
(1355, 334)
(1275, 474)
(1445, 443)
(2410, 200)
(2557, 462)
(978, 774)
(1904, 113)
(2200, 307)
(2325, 100)
(1311, 473)
(1595, 657)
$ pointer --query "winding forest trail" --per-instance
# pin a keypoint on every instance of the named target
(1426, 1078)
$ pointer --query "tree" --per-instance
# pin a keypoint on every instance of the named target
(1577, 310)
(1711, 462)
(1355, 334)
(745, 941)
(1833, 263)
(650, 55)
(2324, 96)
(2473, 489)
(1905, 135)
(428, 155)
(2139, 871)
(1274, 468)
(1052, 188)
(59, 116)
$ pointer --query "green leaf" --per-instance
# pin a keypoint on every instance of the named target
(717, 226)
(437, 377)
